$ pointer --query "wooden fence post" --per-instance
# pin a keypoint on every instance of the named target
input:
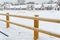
(7, 19)
(36, 24)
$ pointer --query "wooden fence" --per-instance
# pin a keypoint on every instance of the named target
(36, 24)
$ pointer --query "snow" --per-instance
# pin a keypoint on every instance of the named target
(19, 6)
(37, 6)
(19, 33)
(53, 5)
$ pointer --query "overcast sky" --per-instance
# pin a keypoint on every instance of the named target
(14, 1)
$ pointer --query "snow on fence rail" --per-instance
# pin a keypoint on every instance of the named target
(36, 23)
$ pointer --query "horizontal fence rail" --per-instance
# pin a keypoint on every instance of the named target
(31, 28)
(41, 19)
(36, 24)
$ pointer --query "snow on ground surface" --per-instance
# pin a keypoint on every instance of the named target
(19, 33)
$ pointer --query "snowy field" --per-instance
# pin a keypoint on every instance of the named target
(19, 33)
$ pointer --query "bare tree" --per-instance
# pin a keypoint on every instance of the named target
(49, 8)
(58, 2)
(50, 2)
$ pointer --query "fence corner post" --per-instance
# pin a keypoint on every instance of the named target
(36, 25)
(7, 19)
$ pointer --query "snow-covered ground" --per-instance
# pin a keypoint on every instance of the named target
(19, 33)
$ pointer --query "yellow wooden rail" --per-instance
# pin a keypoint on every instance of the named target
(41, 19)
(36, 24)
(31, 28)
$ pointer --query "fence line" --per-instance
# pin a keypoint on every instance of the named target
(31, 28)
(41, 19)
(36, 24)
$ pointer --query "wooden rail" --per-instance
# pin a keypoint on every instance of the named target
(31, 28)
(36, 24)
(41, 19)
